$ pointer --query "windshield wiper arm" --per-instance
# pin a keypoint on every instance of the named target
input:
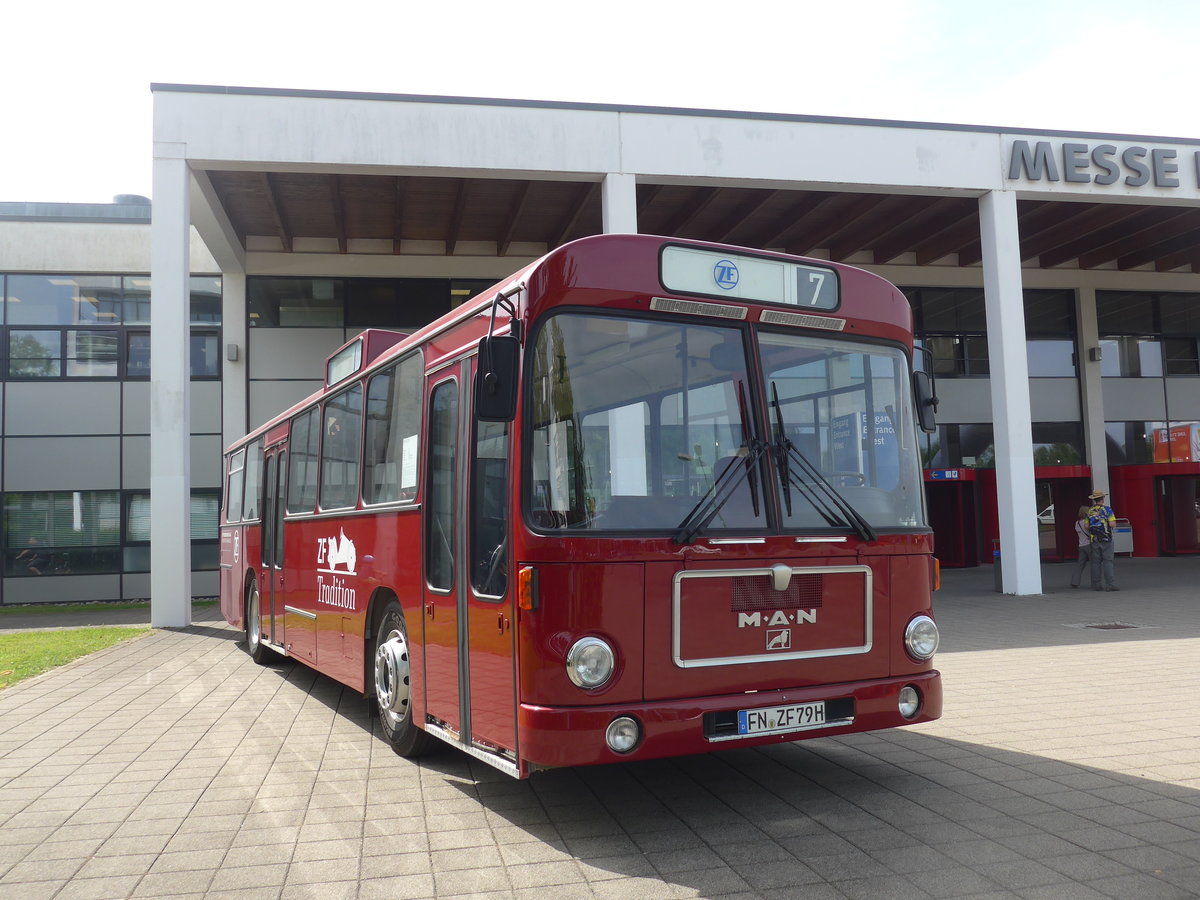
(726, 482)
(816, 482)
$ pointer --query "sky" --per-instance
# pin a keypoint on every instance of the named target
(76, 109)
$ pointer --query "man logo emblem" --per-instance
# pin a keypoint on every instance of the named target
(725, 274)
(779, 639)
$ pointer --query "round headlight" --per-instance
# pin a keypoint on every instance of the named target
(909, 701)
(921, 637)
(590, 662)
(623, 734)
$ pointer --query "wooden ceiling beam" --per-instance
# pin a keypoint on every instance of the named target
(948, 240)
(337, 201)
(647, 196)
(574, 213)
(271, 189)
(1189, 257)
(746, 212)
(1052, 228)
(398, 197)
(935, 219)
(1181, 241)
(1108, 235)
(772, 232)
(701, 200)
(1157, 228)
(816, 229)
(1068, 231)
(515, 209)
(454, 230)
(885, 218)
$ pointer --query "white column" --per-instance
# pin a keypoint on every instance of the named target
(234, 415)
(1095, 438)
(170, 400)
(1011, 426)
(619, 201)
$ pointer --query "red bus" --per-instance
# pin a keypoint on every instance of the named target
(645, 498)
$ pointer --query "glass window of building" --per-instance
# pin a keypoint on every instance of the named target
(951, 324)
(1148, 335)
(295, 302)
(96, 326)
(62, 533)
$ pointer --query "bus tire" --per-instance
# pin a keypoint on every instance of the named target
(259, 652)
(392, 686)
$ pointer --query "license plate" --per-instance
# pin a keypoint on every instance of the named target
(775, 719)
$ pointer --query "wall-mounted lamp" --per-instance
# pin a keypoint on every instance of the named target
(1095, 354)
(231, 352)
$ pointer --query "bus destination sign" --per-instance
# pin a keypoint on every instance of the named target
(691, 270)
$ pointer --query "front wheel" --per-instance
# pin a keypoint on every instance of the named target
(393, 686)
(259, 652)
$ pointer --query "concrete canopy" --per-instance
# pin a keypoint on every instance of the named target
(329, 183)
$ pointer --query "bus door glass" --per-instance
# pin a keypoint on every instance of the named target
(492, 686)
(272, 574)
(441, 555)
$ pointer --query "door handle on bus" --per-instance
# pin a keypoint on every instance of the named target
(502, 622)
(429, 610)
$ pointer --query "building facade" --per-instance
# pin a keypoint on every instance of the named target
(1054, 280)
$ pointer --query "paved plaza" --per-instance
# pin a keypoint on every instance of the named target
(1067, 765)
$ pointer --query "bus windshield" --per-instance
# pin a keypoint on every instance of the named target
(645, 425)
(845, 412)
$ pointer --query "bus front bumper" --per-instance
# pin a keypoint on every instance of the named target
(573, 736)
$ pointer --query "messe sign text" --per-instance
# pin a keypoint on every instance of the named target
(1097, 164)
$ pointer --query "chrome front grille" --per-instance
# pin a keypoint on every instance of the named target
(755, 592)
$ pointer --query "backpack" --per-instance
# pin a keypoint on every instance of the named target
(1098, 526)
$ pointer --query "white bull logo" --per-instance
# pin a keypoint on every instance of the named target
(341, 552)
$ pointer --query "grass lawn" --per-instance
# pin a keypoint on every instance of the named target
(28, 653)
(22, 609)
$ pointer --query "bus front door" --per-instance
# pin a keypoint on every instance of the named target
(440, 556)
(491, 682)
(470, 686)
(271, 576)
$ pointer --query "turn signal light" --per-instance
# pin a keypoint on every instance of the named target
(527, 588)
(937, 574)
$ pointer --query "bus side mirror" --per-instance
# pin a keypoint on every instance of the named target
(496, 378)
(927, 403)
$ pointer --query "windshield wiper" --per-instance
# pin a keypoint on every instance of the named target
(741, 468)
(823, 496)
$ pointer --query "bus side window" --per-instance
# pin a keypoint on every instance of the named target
(233, 488)
(340, 449)
(489, 509)
(254, 466)
(443, 453)
(302, 475)
(392, 433)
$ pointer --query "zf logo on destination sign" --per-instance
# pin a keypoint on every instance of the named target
(725, 274)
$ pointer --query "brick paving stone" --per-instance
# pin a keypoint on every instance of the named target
(272, 782)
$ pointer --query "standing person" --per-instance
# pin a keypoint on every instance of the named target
(1084, 539)
(1100, 524)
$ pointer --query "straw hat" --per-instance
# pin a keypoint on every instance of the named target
(1096, 495)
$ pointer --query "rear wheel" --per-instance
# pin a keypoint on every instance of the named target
(259, 652)
(392, 686)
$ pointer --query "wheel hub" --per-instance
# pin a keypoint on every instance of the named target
(391, 674)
